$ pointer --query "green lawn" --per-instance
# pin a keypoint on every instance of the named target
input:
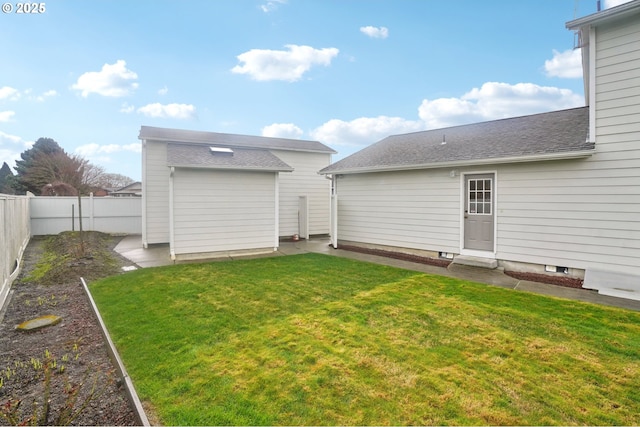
(320, 340)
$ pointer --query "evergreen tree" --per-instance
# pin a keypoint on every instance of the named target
(47, 147)
(5, 179)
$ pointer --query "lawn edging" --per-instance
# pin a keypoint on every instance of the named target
(117, 362)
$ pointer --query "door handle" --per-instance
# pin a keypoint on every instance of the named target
(466, 214)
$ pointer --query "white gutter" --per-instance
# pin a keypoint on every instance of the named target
(605, 15)
(334, 213)
(459, 163)
(234, 167)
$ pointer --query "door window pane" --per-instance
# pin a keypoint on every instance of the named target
(479, 196)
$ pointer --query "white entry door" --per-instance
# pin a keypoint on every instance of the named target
(479, 212)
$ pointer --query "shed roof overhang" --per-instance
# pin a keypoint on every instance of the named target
(568, 155)
(200, 156)
(232, 168)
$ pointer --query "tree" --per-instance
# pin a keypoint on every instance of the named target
(5, 179)
(46, 146)
(58, 189)
(61, 174)
(113, 180)
(56, 167)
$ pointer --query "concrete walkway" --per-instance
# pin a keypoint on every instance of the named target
(158, 255)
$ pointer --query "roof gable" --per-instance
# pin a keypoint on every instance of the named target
(526, 138)
(232, 140)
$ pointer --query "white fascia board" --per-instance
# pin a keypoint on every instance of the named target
(247, 146)
(237, 168)
(605, 15)
(481, 162)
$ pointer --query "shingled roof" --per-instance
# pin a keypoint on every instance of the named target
(231, 140)
(554, 135)
(201, 156)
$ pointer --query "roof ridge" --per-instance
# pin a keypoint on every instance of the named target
(488, 121)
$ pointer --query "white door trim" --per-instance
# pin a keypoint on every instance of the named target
(474, 252)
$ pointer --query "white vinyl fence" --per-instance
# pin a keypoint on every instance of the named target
(52, 215)
(14, 214)
(26, 216)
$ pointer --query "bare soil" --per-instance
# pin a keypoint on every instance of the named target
(568, 282)
(70, 356)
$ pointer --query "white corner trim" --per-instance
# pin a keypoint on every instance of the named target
(172, 249)
(592, 84)
(276, 240)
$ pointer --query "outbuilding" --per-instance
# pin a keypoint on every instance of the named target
(210, 194)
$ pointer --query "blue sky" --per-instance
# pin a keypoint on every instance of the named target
(345, 72)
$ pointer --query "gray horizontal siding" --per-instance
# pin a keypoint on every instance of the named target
(618, 79)
(218, 211)
(156, 196)
(414, 209)
(304, 181)
(579, 214)
(575, 213)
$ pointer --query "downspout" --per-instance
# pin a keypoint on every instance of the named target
(172, 249)
(334, 211)
(276, 240)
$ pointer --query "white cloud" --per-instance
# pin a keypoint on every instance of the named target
(288, 65)
(375, 32)
(614, 3)
(282, 130)
(168, 111)
(48, 94)
(271, 5)
(93, 149)
(495, 101)
(9, 93)
(567, 64)
(13, 94)
(6, 116)
(127, 108)
(114, 80)
(364, 130)
(108, 154)
(11, 146)
(5, 138)
(489, 102)
(163, 91)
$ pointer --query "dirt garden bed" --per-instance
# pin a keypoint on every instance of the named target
(568, 282)
(67, 363)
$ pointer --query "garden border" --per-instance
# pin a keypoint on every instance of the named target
(117, 362)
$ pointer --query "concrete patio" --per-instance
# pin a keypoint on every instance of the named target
(131, 248)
